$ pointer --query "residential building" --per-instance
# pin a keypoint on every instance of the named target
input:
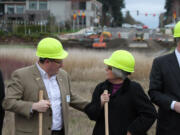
(61, 10)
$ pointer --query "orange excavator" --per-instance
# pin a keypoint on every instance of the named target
(100, 43)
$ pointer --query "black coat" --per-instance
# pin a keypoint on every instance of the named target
(129, 110)
(1, 99)
(164, 88)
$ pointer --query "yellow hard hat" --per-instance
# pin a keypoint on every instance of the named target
(177, 30)
(51, 48)
(121, 59)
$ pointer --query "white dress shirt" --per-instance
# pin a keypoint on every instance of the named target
(178, 56)
(53, 91)
(178, 59)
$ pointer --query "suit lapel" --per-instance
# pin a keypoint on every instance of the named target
(61, 86)
(61, 83)
(39, 81)
(174, 65)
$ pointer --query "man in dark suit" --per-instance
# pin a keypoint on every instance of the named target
(1, 99)
(164, 89)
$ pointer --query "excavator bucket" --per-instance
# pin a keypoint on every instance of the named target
(99, 44)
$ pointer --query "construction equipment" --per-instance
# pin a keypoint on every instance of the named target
(139, 39)
(100, 43)
(106, 34)
(139, 36)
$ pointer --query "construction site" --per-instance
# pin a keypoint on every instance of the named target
(119, 38)
(88, 19)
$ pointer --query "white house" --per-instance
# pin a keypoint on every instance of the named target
(62, 10)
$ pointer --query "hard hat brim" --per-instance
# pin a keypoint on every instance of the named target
(62, 56)
(107, 62)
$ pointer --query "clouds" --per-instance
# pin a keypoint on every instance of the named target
(146, 6)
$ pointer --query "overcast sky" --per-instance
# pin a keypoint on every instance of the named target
(145, 6)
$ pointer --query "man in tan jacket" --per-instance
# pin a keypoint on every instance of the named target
(22, 96)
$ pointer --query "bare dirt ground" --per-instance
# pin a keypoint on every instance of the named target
(152, 46)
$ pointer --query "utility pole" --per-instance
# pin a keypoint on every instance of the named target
(94, 12)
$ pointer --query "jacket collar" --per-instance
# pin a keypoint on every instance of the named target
(39, 81)
(37, 77)
(123, 89)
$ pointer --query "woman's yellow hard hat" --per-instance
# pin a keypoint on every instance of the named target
(121, 59)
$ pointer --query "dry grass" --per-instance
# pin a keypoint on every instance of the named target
(12, 58)
(86, 69)
(84, 65)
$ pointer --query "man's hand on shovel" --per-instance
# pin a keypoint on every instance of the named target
(41, 106)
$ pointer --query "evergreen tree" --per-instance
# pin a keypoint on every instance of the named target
(117, 5)
(130, 20)
(168, 14)
(112, 7)
(168, 7)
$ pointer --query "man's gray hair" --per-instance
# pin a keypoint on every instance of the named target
(120, 73)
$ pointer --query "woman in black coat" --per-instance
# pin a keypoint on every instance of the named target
(130, 110)
(1, 99)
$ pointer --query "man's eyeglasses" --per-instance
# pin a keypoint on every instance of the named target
(109, 67)
(57, 61)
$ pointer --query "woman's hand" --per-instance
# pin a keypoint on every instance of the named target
(104, 98)
(128, 133)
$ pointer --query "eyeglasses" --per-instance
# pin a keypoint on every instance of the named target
(57, 61)
(109, 67)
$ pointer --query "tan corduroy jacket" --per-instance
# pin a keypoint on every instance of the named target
(23, 90)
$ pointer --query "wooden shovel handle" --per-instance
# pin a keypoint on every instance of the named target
(106, 115)
(40, 114)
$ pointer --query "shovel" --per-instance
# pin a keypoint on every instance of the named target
(40, 113)
(106, 115)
